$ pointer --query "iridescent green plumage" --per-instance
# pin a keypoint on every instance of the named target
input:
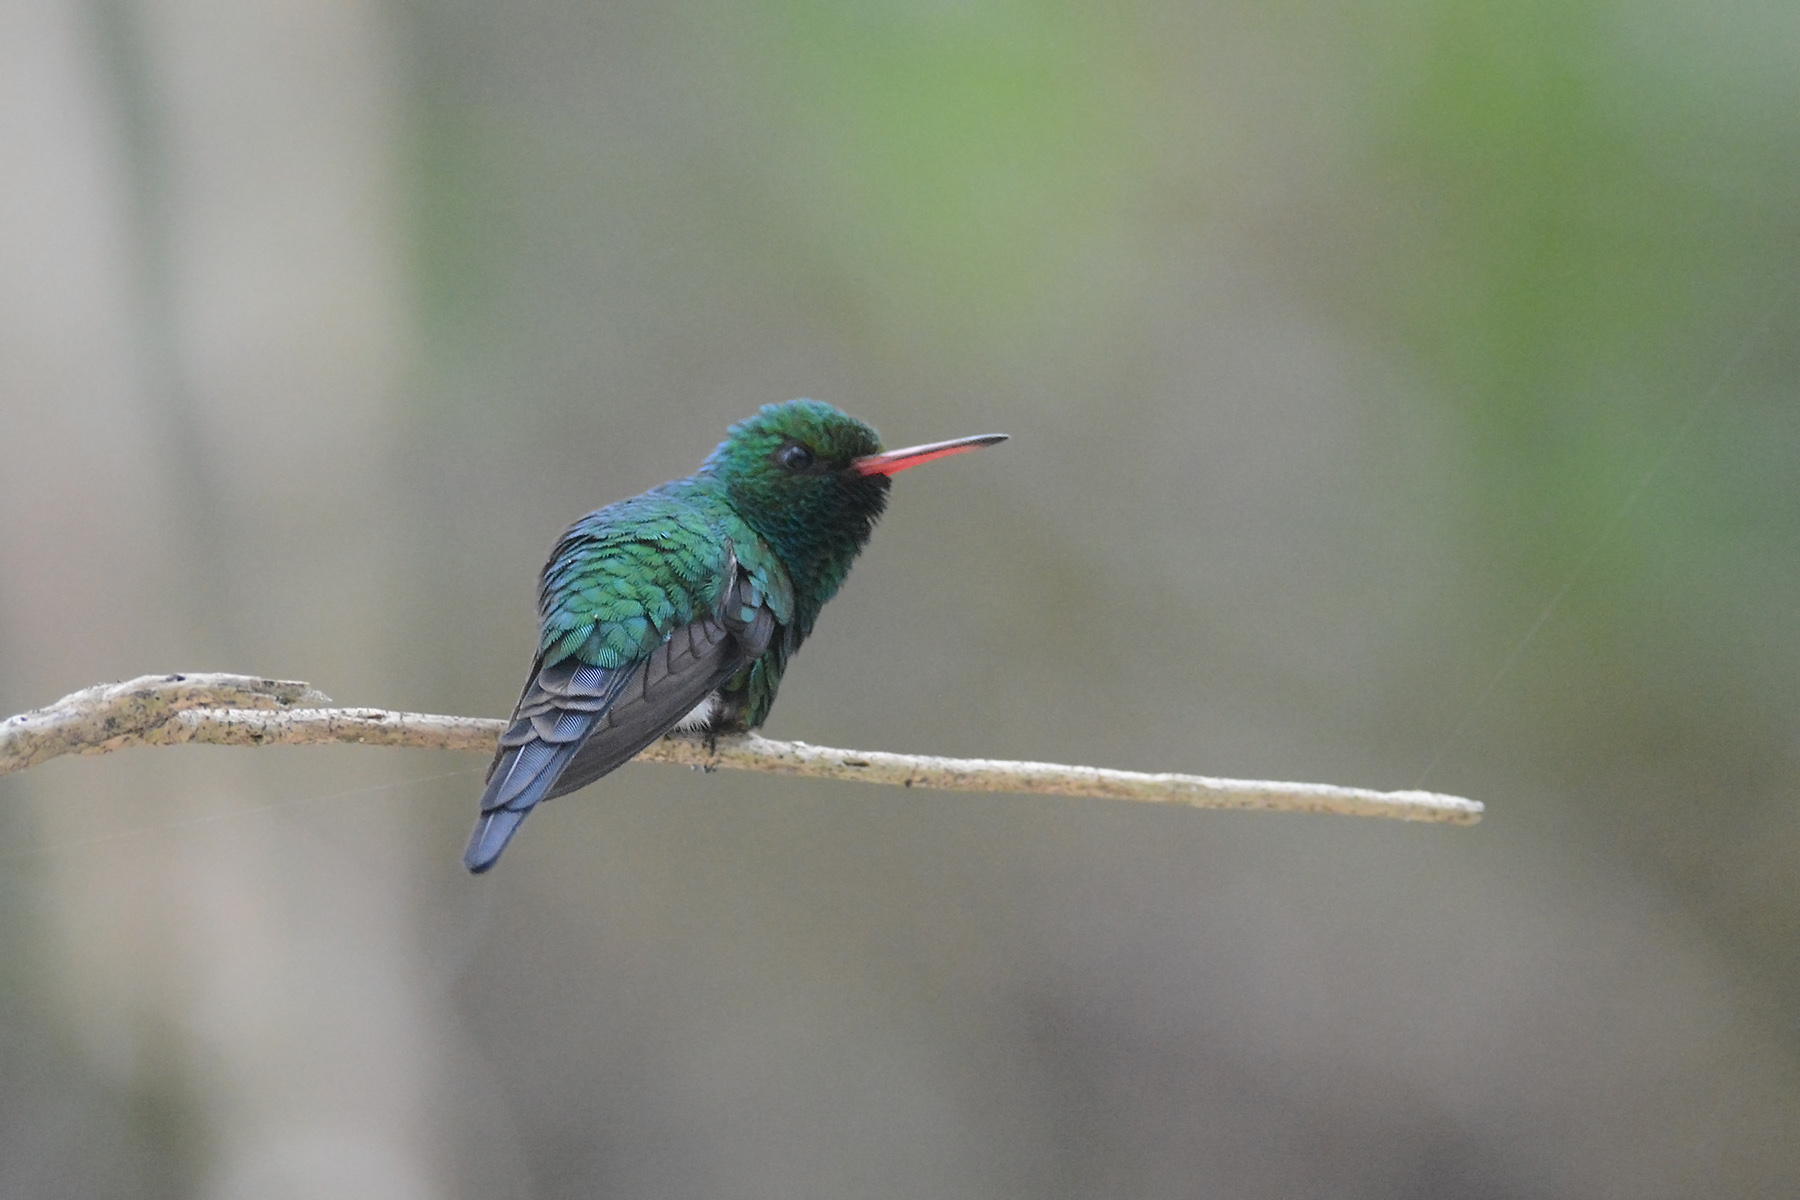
(692, 596)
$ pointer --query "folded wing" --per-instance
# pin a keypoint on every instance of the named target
(577, 722)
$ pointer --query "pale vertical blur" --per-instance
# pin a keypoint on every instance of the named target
(1331, 340)
(206, 343)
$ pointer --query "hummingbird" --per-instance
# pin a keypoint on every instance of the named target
(680, 608)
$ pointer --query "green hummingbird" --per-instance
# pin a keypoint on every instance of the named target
(680, 608)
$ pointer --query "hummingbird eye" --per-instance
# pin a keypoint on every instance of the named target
(794, 457)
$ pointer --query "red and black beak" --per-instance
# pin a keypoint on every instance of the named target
(892, 462)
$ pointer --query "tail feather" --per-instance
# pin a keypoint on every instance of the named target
(492, 831)
(561, 706)
(577, 722)
(523, 775)
(532, 764)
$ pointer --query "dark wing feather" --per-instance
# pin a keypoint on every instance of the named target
(577, 722)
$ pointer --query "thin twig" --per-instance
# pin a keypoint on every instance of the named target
(241, 710)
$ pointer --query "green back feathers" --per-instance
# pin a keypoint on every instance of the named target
(623, 577)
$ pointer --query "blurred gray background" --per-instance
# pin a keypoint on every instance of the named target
(1332, 339)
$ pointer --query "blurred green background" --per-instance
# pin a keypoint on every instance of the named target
(1334, 340)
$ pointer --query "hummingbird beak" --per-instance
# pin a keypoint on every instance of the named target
(892, 462)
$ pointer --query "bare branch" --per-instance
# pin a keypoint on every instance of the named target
(240, 710)
(113, 716)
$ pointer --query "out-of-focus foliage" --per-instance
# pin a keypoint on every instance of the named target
(1336, 342)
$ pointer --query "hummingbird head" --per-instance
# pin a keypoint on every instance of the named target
(812, 481)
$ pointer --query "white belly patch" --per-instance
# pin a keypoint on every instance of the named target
(702, 714)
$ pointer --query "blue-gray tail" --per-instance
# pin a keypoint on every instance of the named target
(523, 775)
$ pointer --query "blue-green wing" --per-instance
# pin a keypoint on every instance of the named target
(646, 610)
